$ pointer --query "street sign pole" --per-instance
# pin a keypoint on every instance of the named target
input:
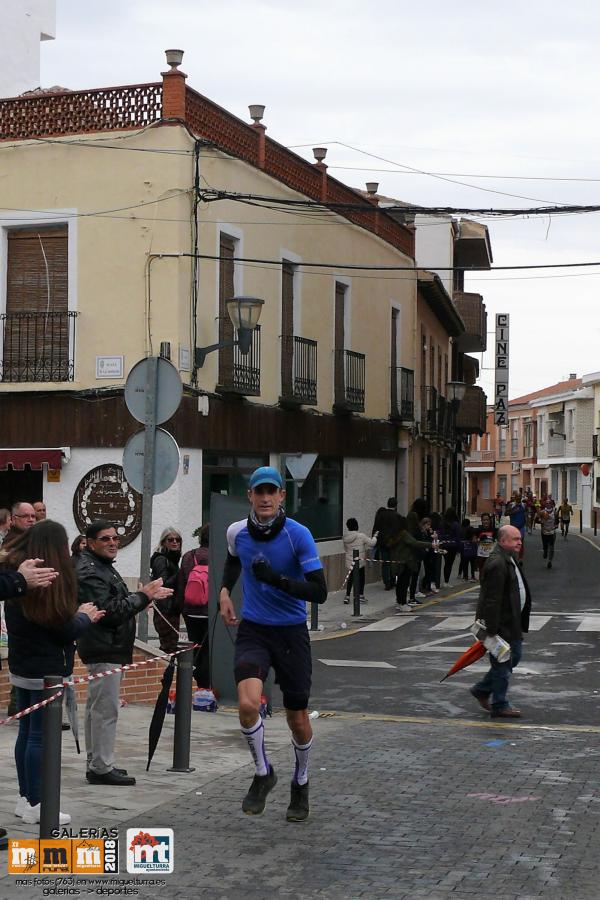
(148, 492)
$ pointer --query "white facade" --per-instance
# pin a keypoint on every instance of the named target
(23, 24)
(434, 246)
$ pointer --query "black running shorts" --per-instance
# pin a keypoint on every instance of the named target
(285, 648)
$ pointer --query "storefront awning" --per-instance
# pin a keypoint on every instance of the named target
(34, 457)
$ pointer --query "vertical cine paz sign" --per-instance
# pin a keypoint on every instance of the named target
(501, 365)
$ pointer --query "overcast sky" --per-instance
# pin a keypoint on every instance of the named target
(466, 90)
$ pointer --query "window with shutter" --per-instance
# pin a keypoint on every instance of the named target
(37, 325)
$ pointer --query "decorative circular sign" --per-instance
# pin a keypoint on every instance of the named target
(104, 493)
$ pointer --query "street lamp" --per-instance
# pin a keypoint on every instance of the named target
(244, 313)
(455, 391)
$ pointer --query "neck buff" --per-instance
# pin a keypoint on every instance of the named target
(265, 531)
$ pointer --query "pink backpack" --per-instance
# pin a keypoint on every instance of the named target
(196, 589)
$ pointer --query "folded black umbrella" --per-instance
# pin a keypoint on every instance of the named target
(160, 709)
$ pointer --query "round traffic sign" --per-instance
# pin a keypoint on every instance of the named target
(166, 461)
(168, 390)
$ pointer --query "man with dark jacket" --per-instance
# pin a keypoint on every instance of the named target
(504, 606)
(385, 526)
(108, 644)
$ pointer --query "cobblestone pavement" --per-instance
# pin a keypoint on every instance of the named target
(436, 810)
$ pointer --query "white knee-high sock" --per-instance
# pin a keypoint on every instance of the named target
(301, 752)
(256, 742)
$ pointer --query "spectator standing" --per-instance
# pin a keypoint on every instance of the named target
(565, 511)
(40, 510)
(406, 559)
(418, 511)
(107, 645)
(468, 550)
(164, 564)
(356, 540)
(450, 539)
(78, 545)
(5, 522)
(192, 597)
(42, 626)
(385, 525)
(504, 606)
(22, 517)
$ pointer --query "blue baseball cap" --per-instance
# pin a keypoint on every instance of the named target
(266, 475)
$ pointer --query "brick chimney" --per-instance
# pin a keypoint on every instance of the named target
(173, 96)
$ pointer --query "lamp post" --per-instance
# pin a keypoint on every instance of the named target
(244, 313)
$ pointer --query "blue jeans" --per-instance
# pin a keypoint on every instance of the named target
(28, 748)
(495, 682)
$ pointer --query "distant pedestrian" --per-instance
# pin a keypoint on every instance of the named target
(486, 537)
(504, 606)
(517, 516)
(548, 527)
(450, 541)
(565, 511)
(385, 525)
(356, 540)
(78, 545)
(418, 511)
(406, 560)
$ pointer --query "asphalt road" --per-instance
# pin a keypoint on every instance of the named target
(398, 671)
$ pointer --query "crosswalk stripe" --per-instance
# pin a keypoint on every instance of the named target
(357, 663)
(589, 623)
(538, 622)
(389, 624)
(454, 623)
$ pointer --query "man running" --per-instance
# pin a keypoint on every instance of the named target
(565, 511)
(548, 523)
(281, 571)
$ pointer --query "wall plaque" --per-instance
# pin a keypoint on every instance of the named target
(104, 493)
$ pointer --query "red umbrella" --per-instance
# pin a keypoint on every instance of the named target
(475, 652)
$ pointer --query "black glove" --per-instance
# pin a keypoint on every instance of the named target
(263, 571)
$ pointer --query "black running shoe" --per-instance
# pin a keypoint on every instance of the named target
(253, 803)
(298, 809)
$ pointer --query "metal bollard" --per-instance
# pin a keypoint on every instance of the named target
(580, 521)
(314, 616)
(183, 711)
(356, 583)
(595, 525)
(51, 757)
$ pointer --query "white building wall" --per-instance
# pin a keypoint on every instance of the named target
(584, 429)
(23, 24)
(367, 485)
(180, 507)
(434, 246)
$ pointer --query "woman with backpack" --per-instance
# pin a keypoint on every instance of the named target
(164, 564)
(192, 593)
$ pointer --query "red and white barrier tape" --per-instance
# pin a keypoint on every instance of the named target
(85, 678)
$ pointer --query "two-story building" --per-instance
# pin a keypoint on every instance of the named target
(132, 215)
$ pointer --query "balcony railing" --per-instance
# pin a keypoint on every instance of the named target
(298, 370)
(429, 421)
(482, 456)
(349, 380)
(242, 375)
(37, 346)
(403, 394)
(471, 415)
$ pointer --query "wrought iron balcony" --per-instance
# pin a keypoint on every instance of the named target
(429, 416)
(298, 371)
(239, 373)
(37, 346)
(349, 379)
(403, 394)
